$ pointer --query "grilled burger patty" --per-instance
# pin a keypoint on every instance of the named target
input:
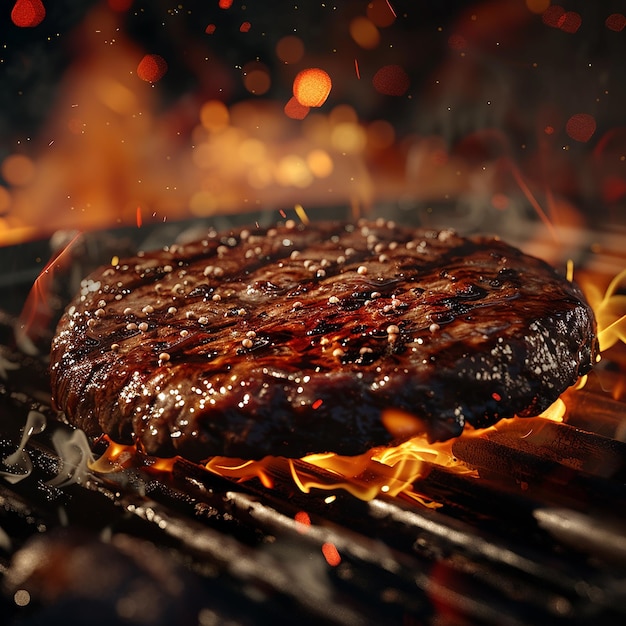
(299, 339)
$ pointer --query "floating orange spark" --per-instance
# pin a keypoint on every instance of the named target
(311, 87)
(28, 13)
(139, 220)
(152, 68)
(356, 69)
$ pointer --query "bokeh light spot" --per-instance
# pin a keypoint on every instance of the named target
(152, 68)
(245, 27)
(28, 13)
(295, 110)
(290, 49)
(549, 130)
(311, 87)
(320, 163)
(391, 80)
(18, 170)
(225, 4)
(210, 29)
(214, 115)
(615, 22)
(380, 13)
(581, 127)
(552, 15)
(537, 6)
(570, 22)
(364, 33)
(256, 78)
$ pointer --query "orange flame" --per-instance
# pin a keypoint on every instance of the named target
(610, 311)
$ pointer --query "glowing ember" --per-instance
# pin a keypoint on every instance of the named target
(152, 68)
(331, 554)
(28, 13)
(311, 87)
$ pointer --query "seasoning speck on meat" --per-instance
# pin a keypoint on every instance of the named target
(295, 339)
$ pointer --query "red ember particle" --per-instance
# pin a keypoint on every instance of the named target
(28, 13)
(391, 80)
(317, 404)
(295, 110)
(225, 4)
(311, 87)
(570, 22)
(615, 22)
(152, 68)
(245, 27)
(283, 214)
(139, 220)
(581, 127)
(331, 554)
(210, 29)
(549, 130)
(552, 15)
(356, 69)
(496, 396)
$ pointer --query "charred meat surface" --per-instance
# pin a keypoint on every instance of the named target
(299, 339)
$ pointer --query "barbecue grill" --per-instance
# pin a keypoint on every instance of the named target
(533, 532)
(523, 524)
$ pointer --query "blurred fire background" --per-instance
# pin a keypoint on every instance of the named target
(481, 115)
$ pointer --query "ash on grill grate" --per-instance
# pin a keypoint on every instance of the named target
(537, 538)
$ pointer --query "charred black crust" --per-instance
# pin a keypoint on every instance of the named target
(295, 339)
